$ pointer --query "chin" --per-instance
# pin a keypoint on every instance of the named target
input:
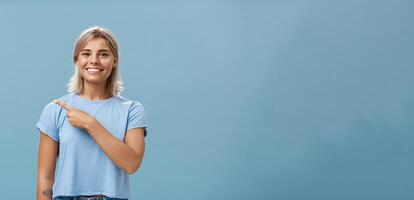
(94, 80)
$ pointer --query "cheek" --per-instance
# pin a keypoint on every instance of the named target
(108, 64)
(80, 63)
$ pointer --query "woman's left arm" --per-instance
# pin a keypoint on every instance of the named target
(126, 155)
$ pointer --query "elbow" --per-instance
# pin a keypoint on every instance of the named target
(131, 169)
(133, 165)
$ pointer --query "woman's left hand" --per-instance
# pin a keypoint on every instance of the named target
(77, 118)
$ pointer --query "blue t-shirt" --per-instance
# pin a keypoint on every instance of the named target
(82, 167)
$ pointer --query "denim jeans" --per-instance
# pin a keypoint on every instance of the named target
(85, 198)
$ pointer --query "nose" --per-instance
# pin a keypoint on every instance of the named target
(93, 59)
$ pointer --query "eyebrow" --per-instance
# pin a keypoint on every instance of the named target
(100, 50)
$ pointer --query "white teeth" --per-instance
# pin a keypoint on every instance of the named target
(93, 70)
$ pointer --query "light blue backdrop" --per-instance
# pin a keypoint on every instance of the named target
(244, 99)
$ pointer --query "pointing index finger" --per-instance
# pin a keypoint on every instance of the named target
(62, 104)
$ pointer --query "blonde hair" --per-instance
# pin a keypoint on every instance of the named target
(114, 82)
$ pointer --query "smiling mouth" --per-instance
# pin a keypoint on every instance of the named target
(93, 69)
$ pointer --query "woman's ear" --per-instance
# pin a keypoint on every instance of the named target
(75, 61)
(115, 63)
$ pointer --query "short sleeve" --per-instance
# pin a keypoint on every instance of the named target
(136, 117)
(48, 121)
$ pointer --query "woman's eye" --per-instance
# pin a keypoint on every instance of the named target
(104, 54)
(85, 54)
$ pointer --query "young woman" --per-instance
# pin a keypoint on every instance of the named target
(91, 138)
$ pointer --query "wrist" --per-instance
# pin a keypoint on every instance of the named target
(90, 124)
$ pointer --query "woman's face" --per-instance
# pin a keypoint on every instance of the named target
(95, 61)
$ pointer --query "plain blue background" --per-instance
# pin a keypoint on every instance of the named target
(244, 99)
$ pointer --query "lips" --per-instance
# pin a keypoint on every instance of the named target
(89, 69)
(93, 71)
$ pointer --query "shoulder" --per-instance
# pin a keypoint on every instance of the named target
(128, 102)
(51, 106)
(51, 114)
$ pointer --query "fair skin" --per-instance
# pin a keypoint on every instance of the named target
(95, 63)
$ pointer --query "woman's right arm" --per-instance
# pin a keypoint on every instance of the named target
(48, 150)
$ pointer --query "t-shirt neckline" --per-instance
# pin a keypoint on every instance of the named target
(94, 101)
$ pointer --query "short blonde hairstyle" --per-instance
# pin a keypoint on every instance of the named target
(114, 82)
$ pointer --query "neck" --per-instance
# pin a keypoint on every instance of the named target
(94, 91)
